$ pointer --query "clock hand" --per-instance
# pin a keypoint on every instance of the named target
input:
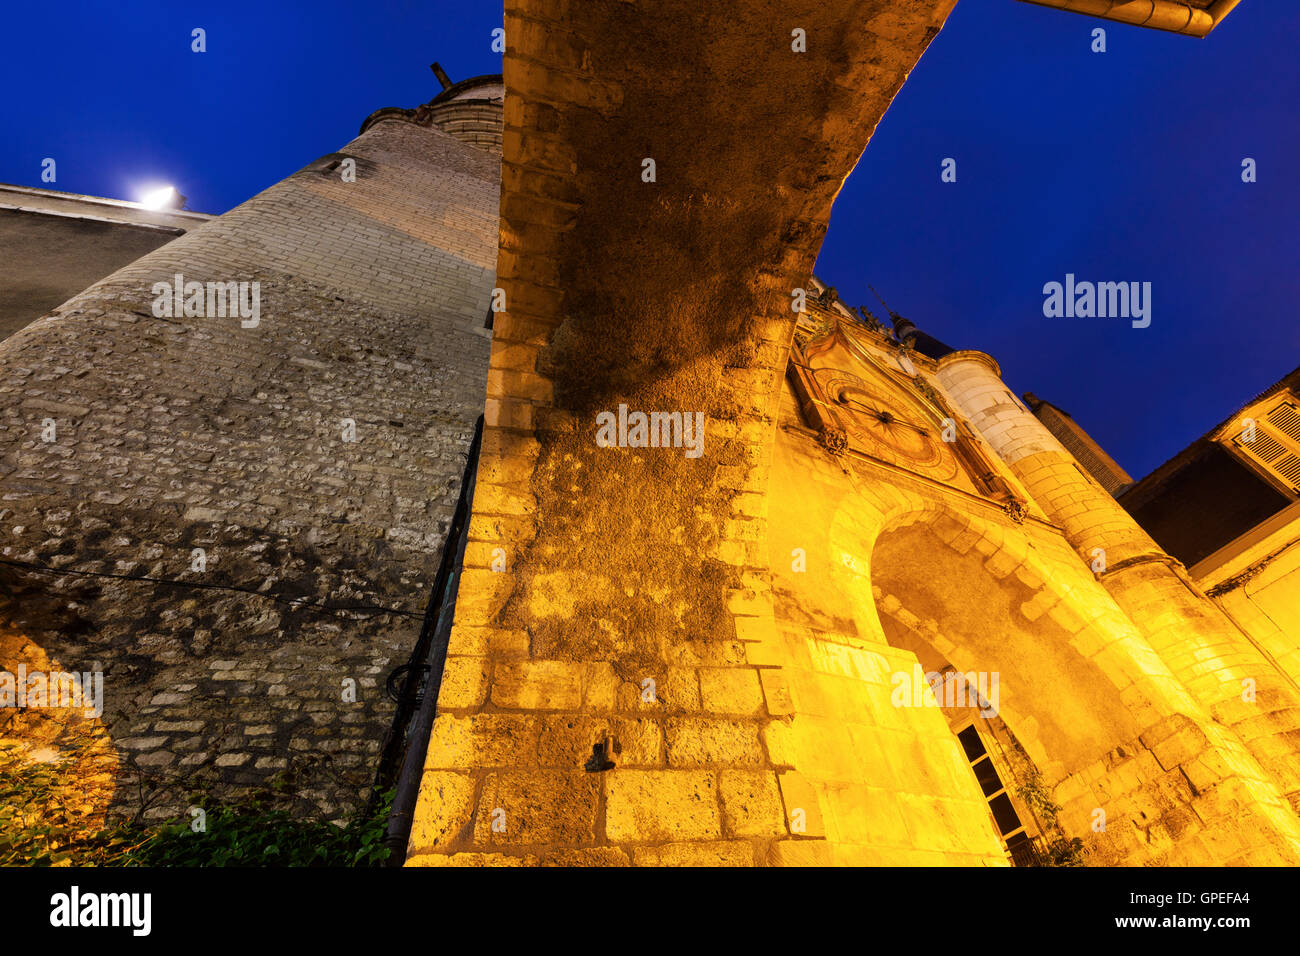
(885, 417)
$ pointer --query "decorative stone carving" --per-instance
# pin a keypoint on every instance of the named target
(857, 402)
(1016, 509)
(818, 329)
(927, 390)
(834, 440)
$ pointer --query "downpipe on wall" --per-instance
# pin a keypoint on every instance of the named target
(424, 672)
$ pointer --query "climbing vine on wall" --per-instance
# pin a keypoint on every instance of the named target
(254, 831)
(1058, 849)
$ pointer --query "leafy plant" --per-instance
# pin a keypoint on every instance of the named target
(1057, 849)
(248, 834)
(36, 831)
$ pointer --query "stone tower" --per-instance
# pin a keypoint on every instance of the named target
(238, 515)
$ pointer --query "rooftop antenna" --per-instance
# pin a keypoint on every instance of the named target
(904, 330)
(892, 314)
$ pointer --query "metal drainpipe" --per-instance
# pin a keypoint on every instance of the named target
(435, 635)
(1169, 15)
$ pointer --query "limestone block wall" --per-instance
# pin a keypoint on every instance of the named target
(887, 785)
(314, 458)
(1257, 584)
(874, 570)
(1268, 609)
(1239, 685)
(625, 565)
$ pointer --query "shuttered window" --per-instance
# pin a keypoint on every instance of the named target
(1276, 447)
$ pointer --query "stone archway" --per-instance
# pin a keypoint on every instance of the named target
(1098, 712)
(901, 571)
(1029, 707)
(640, 567)
(667, 293)
(986, 613)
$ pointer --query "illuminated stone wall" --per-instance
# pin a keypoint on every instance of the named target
(1237, 684)
(1258, 587)
(625, 566)
(634, 675)
(899, 563)
(884, 555)
(659, 656)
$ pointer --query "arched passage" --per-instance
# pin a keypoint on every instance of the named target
(987, 615)
(1027, 705)
(901, 574)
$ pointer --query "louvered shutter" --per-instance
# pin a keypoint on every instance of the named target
(1277, 444)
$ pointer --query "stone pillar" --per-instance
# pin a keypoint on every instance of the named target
(1212, 657)
(610, 681)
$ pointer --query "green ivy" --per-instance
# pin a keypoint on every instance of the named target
(250, 832)
(1057, 849)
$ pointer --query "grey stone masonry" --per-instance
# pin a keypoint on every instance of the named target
(240, 524)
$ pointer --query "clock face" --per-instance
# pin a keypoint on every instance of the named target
(866, 411)
(887, 425)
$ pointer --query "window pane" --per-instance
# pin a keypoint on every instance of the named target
(1021, 849)
(971, 743)
(987, 776)
(1004, 814)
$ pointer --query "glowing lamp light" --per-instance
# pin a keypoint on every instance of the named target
(165, 198)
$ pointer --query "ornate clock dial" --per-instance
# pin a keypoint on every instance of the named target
(885, 425)
(858, 402)
(872, 418)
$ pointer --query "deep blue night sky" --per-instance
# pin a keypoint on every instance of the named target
(1122, 166)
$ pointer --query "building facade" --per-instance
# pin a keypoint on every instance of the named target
(58, 244)
(973, 655)
(742, 583)
(1226, 508)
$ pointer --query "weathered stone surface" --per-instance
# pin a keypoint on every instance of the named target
(658, 805)
(193, 432)
(639, 671)
(445, 808)
(718, 853)
(538, 807)
(751, 804)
